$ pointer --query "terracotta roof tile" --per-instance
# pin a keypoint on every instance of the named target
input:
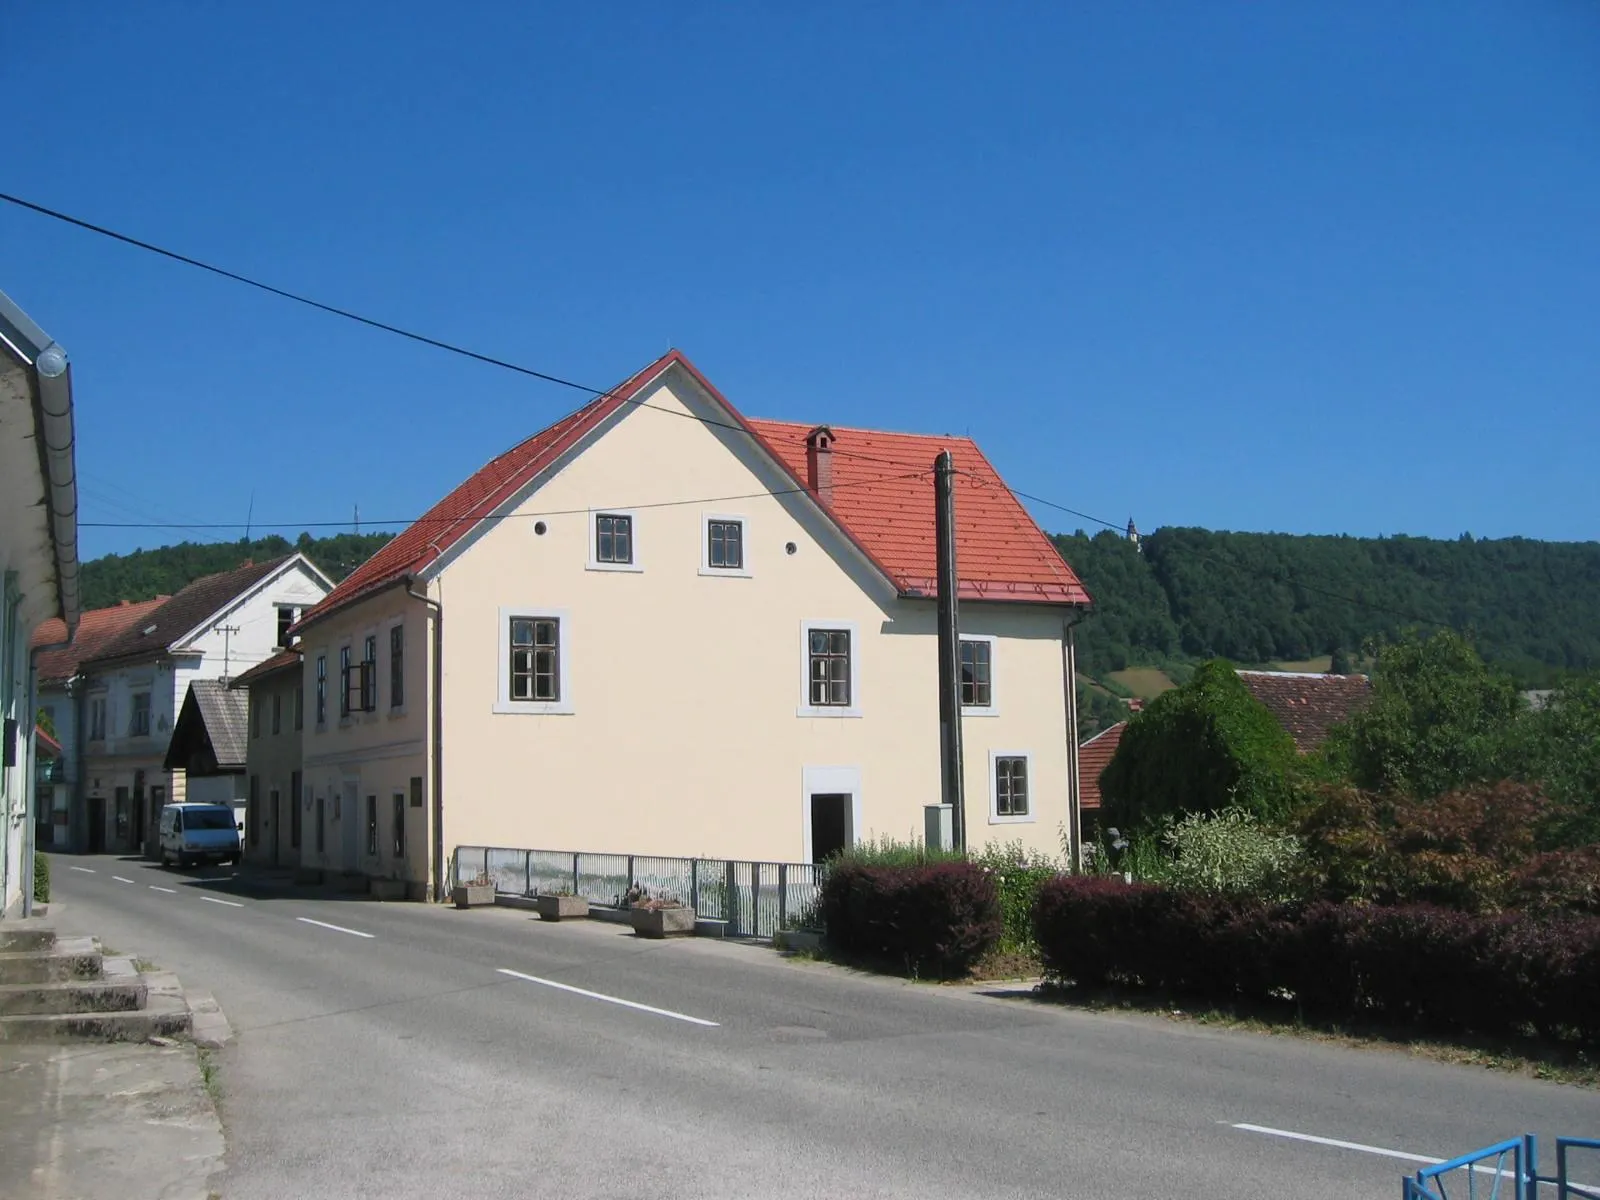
(1001, 553)
(1308, 706)
(177, 616)
(1094, 756)
(96, 630)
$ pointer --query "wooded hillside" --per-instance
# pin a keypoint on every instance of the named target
(165, 569)
(1531, 607)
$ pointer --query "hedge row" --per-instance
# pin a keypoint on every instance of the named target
(936, 920)
(1416, 965)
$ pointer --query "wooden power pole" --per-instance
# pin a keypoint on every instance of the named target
(944, 507)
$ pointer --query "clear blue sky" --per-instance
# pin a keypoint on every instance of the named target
(1300, 266)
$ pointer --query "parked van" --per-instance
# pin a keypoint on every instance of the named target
(194, 833)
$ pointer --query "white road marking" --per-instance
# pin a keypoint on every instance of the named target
(120, 879)
(337, 928)
(229, 903)
(578, 991)
(1425, 1159)
(169, 891)
(85, 870)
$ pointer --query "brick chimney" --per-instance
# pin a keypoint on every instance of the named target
(819, 463)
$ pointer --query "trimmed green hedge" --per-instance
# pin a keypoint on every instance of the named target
(936, 919)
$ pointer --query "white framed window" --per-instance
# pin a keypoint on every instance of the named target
(1010, 787)
(97, 719)
(139, 719)
(613, 540)
(725, 545)
(535, 672)
(977, 666)
(830, 669)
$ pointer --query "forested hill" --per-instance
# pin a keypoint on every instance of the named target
(165, 569)
(1188, 594)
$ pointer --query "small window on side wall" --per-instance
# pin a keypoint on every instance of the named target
(613, 539)
(1012, 788)
(724, 544)
(534, 671)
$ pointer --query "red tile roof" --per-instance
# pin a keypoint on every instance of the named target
(179, 615)
(96, 630)
(1001, 553)
(1308, 706)
(881, 501)
(1094, 756)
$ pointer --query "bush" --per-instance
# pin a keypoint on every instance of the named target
(1202, 747)
(1018, 877)
(1230, 852)
(1415, 965)
(936, 919)
(41, 878)
(1559, 881)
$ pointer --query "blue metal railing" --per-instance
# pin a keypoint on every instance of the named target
(1508, 1169)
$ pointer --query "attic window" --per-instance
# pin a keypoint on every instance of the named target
(286, 617)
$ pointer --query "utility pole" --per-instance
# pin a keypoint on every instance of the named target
(944, 508)
(227, 632)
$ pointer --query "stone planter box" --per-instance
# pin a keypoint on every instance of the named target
(663, 922)
(467, 895)
(388, 889)
(558, 908)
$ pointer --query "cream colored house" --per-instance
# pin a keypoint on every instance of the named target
(659, 627)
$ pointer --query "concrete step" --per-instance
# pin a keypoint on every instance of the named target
(28, 937)
(74, 997)
(68, 959)
(163, 1016)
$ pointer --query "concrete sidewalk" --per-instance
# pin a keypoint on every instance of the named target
(85, 1121)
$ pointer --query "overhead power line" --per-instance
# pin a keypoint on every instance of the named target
(384, 326)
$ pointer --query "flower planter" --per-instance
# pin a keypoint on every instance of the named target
(467, 895)
(663, 922)
(556, 908)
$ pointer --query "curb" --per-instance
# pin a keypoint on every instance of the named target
(208, 1026)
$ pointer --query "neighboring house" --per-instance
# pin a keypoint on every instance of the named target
(47, 770)
(63, 697)
(217, 627)
(275, 817)
(1094, 756)
(1309, 705)
(707, 636)
(208, 745)
(38, 563)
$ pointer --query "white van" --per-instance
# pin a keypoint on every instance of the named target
(193, 833)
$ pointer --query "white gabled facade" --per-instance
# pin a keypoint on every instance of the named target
(133, 695)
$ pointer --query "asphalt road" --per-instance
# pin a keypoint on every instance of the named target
(400, 1050)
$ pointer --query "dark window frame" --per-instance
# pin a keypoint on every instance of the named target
(977, 673)
(287, 614)
(830, 668)
(322, 689)
(534, 660)
(613, 539)
(372, 827)
(397, 666)
(719, 544)
(344, 682)
(1012, 787)
(136, 726)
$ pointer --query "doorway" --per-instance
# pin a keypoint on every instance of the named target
(830, 824)
(97, 825)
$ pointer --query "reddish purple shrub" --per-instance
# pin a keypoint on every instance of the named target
(937, 919)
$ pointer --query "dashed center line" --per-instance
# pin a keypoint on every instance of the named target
(229, 903)
(336, 928)
(169, 891)
(85, 870)
(578, 991)
(120, 879)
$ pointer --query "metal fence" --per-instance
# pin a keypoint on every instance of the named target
(1509, 1169)
(756, 899)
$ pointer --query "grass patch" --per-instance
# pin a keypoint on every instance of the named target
(208, 1074)
(1144, 682)
(1532, 1057)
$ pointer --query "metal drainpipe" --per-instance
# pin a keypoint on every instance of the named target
(1069, 671)
(436, 731)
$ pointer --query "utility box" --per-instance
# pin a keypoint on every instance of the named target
(938, 827)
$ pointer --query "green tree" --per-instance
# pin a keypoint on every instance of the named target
(43, 721)
(1440, 719)
(1200, 748)
(1559, 747)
